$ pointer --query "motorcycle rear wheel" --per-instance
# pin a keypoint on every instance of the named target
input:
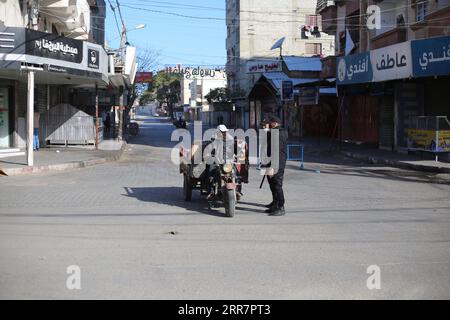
(230, 203)
(187, 188)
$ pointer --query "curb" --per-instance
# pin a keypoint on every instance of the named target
(396, 164)
(64, 166)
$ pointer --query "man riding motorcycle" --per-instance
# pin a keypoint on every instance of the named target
(222, 152)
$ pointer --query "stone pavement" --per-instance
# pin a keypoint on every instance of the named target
(57, 158)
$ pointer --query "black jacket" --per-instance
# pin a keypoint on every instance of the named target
(282, 144)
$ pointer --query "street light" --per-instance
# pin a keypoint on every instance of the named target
(139, 26)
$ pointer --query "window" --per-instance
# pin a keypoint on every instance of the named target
(311, 20)
(421, 11)
(313, 48)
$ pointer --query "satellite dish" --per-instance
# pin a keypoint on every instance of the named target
(278, 44)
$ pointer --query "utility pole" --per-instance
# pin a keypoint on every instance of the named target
(96, 117)
(122, 47)
(30, 118)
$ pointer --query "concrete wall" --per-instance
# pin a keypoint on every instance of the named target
(10, 14)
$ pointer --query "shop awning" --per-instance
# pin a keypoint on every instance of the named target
(276, 78)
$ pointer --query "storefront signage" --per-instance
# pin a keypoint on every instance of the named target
(49, 45)
(287, 91)
(195, 72)
(431, 57)
(93, 58)
(392, 62)
(143, 77)
(355, 68)
(264, 66)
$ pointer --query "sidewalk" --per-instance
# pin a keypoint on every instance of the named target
(58, 158)
(370, 155)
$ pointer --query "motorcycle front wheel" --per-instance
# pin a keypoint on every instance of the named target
(230, 203)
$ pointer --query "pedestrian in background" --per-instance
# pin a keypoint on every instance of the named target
(36, 131)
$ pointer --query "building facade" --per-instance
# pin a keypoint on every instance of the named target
(253, 27)
(402, 67)
(48, 57)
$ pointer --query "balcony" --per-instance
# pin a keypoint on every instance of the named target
(323, 4)
(71, 16)
(329, 19)
(388, 38)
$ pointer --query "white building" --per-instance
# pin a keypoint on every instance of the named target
(253, 27)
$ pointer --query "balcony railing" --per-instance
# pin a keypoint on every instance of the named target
(323, 4)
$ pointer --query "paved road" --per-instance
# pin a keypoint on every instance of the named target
(127, 228)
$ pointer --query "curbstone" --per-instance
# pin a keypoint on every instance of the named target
(396, 164)
(64, 166)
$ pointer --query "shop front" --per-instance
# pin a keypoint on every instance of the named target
(38, 71)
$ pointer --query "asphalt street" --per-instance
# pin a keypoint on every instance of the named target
(126, 226)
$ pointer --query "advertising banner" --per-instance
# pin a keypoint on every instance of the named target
(429, 140)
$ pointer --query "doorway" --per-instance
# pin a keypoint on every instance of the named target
(4, 117)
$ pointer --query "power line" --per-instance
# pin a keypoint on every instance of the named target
(115, 17)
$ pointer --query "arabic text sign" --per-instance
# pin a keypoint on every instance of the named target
(49, 45)
(355, 68)
(392, 62)
(264, 66)
(431, 56)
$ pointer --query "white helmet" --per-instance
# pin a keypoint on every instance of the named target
(222, 128)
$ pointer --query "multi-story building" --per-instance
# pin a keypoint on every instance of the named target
(253, 27)
(402, 64)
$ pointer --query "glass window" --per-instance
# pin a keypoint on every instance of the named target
(421, 10)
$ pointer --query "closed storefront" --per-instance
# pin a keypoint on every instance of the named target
(5, 128)
(387, 122)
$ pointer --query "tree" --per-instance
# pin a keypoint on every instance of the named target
(148, 60)
(166, 88)
(223, 95)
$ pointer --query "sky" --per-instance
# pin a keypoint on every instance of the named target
(178, 39)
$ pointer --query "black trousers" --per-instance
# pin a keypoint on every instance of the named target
(276, 187)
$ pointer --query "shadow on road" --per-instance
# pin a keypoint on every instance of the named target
(173, 196)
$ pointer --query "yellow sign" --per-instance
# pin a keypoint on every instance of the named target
(429, 140)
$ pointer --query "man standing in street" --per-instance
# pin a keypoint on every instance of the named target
(274, 176)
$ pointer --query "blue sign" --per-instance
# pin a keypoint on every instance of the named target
(287, 90)
(355, 68)
(431, 57)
